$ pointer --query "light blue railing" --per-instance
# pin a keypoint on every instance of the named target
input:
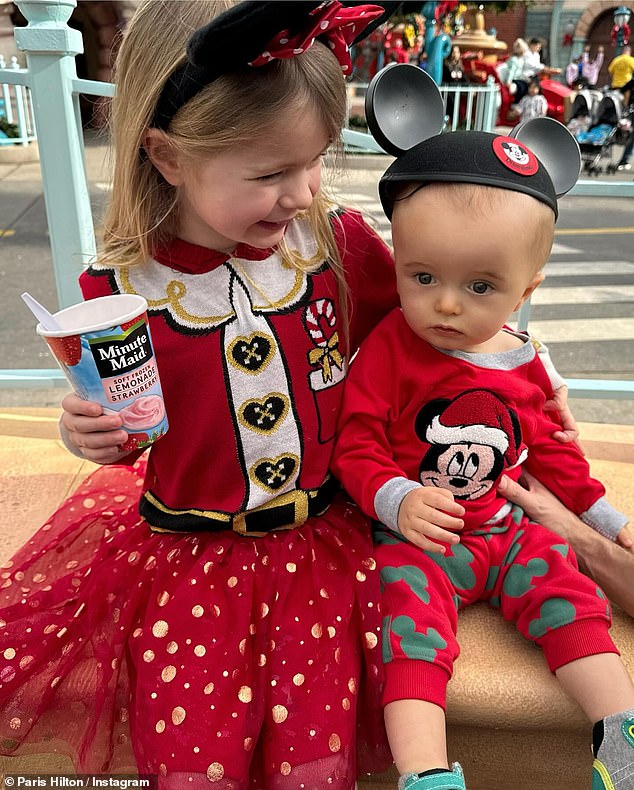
(475, 107)
(51, 77)
(16, 109)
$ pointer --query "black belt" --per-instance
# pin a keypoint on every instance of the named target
(284, 512)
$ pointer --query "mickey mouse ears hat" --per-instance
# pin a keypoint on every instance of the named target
(405, 114)
(471, 158)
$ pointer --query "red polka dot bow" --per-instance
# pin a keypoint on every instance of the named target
(330, 21)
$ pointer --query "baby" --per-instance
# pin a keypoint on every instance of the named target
(442, 399)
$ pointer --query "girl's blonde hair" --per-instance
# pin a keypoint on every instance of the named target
(234, 109)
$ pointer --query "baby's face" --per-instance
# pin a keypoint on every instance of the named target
(463, 269)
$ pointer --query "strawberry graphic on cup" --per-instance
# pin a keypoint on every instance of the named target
(66, 350)
(127, 324)
(135, 441)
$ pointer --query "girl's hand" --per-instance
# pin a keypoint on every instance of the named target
(559, 403)
(98, 436)
(625, 539)
(428, 512)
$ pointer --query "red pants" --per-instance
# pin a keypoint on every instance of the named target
(520, 567)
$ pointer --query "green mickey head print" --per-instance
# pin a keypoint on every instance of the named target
(553, 614)
(419, 645)
(413, 577)
(456, 563)
(519, 578)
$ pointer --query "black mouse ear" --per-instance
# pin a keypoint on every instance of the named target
(403, 107)
(555, 148)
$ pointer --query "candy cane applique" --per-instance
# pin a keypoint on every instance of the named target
(320, 319)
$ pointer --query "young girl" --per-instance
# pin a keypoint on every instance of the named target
(229, 632)
(534, 104)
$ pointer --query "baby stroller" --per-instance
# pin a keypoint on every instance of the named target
(585, 105)
(608, 124)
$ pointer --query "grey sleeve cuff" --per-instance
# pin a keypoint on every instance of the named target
(605, 519)
(388, 498)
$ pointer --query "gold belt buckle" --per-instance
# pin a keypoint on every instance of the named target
(299, 500)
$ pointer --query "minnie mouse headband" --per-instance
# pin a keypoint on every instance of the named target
(405, 114)
(255, 33)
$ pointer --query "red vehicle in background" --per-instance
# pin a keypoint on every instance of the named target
(558, 96)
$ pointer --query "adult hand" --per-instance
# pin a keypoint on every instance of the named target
(625, 539)
(610, 565)
(97, 436)
(559, 403)
(539, 503)
(426, 515)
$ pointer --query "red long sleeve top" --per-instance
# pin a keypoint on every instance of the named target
(414, 415)
(251, 357)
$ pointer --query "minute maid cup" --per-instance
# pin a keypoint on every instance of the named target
(105, 350)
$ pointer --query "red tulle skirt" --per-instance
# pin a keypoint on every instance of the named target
(201, 658)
